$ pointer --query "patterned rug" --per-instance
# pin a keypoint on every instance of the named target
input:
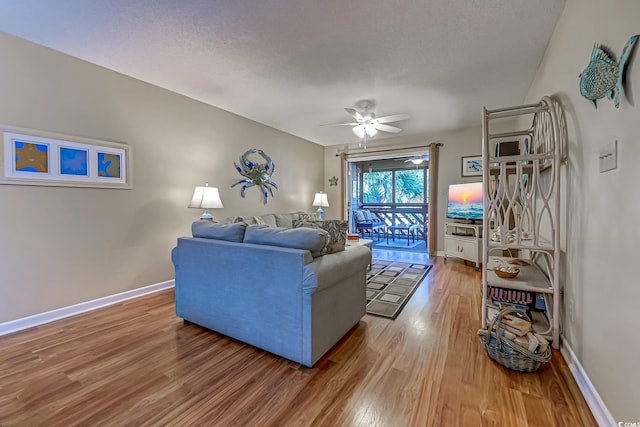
(399, 244)
(390, 284)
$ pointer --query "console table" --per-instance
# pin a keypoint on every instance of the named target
(463, 241)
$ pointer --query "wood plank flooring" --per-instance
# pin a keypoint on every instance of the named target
(136, 363)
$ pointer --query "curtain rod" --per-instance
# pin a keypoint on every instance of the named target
(439, 144)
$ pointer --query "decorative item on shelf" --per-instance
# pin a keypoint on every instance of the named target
(333, 181)
(505, 269)
(206, 198)
(509, 236)
(321, 201)
(509, 272)
(256, 174)
(603, 76)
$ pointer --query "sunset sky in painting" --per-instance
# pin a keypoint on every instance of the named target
(466, 193)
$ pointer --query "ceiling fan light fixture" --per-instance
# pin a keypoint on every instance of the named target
(359, 131)
(371, 129)
(417, 161)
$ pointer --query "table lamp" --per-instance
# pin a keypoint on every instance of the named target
(206, 198)
(321, 201)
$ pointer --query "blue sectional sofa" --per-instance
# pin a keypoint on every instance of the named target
(270, 287)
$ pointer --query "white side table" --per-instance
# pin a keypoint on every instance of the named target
(360, 242)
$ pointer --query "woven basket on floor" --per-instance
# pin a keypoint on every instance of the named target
(506, 352)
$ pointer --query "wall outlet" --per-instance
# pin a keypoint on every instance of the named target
(609, 157)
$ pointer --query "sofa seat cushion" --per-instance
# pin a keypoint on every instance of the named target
(312, 240)
(337, 230)
(218, 230)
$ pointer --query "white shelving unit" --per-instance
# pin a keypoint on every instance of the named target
(463, 241)
(522, 206)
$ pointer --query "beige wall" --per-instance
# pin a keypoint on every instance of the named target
(600, 227)
(61, 246)
(455, 145)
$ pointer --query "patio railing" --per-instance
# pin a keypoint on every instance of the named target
(396, 214)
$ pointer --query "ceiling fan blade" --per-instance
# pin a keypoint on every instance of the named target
(393, 118)
(387, 128)
(340, 124)
(355, 114)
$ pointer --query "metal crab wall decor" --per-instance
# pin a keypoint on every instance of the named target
(256, 174)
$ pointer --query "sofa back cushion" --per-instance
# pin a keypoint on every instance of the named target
(312, 240)
(219, 231)
(337, 230)
(285, 220)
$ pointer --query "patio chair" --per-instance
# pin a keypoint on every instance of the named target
(367, 220)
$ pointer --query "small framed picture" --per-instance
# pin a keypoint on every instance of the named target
(472, 166)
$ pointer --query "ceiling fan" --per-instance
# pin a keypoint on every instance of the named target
(367, 124)
(417, 160)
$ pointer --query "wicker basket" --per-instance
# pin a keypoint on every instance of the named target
(508, 353)
(506, 274)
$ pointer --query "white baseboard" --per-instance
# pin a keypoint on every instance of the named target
(72, 310)
(598, 408)
(440, 253)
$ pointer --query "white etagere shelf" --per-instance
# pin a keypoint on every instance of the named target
(522, 208)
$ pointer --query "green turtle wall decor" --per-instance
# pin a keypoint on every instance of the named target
(333, 181)
(603, 76)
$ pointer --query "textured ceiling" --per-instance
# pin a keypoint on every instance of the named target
(295, 64)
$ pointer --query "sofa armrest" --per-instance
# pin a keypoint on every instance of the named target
(328, 270)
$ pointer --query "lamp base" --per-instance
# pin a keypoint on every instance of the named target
(320, 213)
(206, 215)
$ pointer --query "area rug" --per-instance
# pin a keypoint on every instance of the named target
(390, 284)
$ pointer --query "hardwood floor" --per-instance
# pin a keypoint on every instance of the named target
(136, 363)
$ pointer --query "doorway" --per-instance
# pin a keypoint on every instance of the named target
(395, 187)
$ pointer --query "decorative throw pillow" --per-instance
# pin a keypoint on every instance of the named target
(234, 219)
(285, 220)
(219, 231)
(267, 219)
(337, 230)
(360, 215)
(314, 241)
(306, 216)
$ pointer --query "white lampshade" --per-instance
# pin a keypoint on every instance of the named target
(206, 198)
(358, 131)
(371, 129)
(321, 200)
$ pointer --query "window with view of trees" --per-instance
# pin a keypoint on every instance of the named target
(409, 186)
(402, 186)
(377, 187)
